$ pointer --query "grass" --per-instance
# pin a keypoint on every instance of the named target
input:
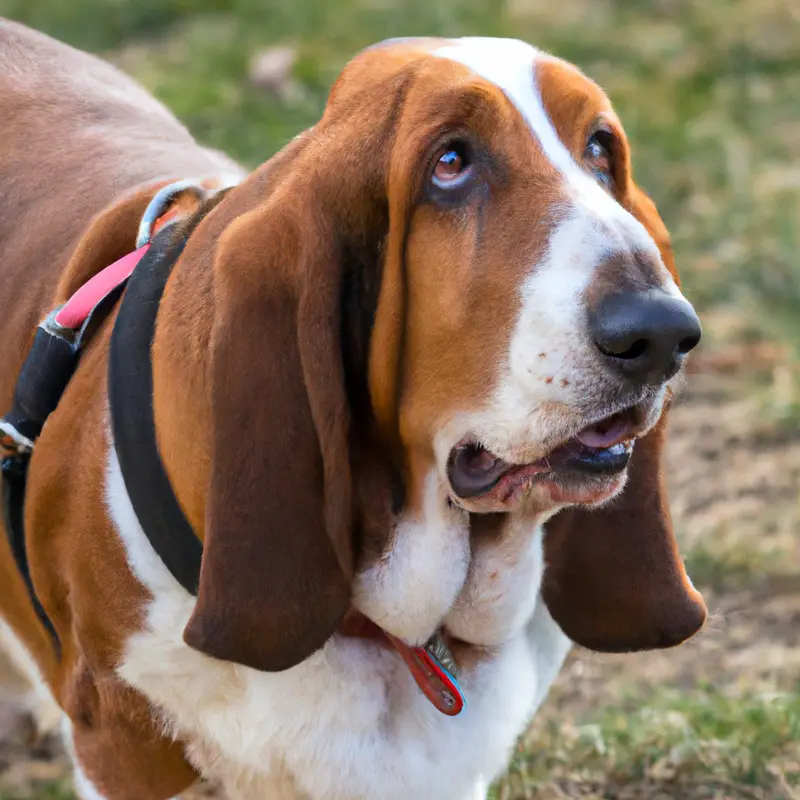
(694, 742)
(731, 564)
(56, 790)
(708, 94)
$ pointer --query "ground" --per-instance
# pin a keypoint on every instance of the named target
(708, 94)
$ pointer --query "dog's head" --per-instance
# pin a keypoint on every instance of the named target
(447, 298)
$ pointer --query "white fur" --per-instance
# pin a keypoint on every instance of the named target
(551, 647)
(347, 723)
(410, 589)
(502, 587)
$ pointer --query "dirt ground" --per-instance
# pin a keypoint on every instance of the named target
(734, 479)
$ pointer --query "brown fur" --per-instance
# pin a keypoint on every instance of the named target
(79, 165)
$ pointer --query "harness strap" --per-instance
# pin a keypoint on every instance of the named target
(78, 309)
(130, 397)
(52, 361)
(12, 499)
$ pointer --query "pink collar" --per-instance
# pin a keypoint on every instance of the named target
(77, 309)
(158, 214)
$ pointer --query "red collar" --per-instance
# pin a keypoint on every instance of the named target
(435, 681)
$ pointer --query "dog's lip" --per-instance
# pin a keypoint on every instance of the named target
(600, 448)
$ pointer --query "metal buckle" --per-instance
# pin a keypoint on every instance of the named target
(12, 442)
(164, 197)
(160, 203)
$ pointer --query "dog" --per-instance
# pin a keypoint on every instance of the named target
(367, 440)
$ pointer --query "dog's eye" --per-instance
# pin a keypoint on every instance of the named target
(599, 156)
(453, 166)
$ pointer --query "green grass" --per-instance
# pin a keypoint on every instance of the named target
(693, 741)
(740, 564)
(56, 790)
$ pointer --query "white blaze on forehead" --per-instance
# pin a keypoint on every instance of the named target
(511, 65)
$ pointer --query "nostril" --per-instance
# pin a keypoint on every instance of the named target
(688, 344)
(637, 349)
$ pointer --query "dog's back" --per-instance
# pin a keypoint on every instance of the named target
(76, 134)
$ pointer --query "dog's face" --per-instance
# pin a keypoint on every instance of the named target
(542, 323)
(455, 268)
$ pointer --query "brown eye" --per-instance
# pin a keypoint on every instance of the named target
(453, 167)
(599, 157)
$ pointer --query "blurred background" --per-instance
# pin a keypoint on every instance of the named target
(709, 93)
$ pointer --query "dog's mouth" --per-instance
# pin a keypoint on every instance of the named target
(432, 666)
(597, 454)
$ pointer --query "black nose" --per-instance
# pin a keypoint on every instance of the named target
(645, 335)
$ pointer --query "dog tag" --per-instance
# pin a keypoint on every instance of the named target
(435, 682)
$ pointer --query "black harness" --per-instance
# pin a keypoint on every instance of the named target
(50, 364)
(130, 396)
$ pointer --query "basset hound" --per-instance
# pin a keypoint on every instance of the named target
(320, 515)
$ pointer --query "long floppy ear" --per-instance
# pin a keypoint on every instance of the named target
(277, 561)
(614, 579)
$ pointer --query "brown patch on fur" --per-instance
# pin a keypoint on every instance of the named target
(576, 105)
(119, 744)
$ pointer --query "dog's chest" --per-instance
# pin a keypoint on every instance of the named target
(347, 723)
